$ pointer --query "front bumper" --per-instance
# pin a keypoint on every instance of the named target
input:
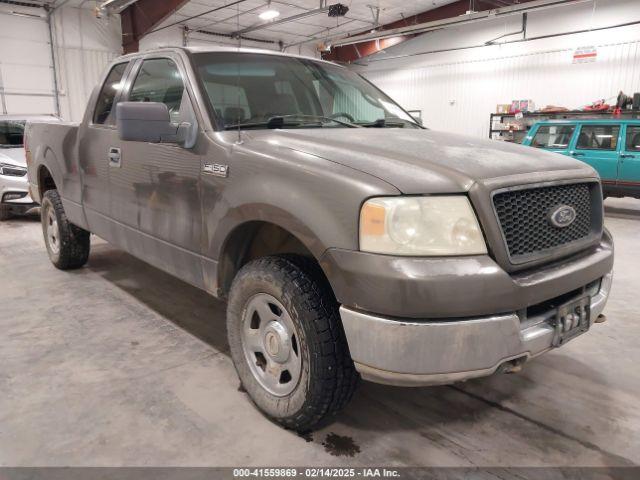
(19, 185)
(411, 353)
(433, 349)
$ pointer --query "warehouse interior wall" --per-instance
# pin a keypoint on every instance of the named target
(456, 80)
(83, 46)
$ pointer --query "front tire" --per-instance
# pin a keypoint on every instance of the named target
(287, 342)
(68, 245)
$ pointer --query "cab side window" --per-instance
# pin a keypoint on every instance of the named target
(159, 80)
(553, 136)
(598, 137)
(633, 138)
(106, 98)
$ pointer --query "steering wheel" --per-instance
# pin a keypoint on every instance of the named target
(343, 114)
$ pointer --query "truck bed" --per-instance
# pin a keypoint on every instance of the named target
(53, 145)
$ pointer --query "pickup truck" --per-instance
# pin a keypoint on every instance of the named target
(348, 241)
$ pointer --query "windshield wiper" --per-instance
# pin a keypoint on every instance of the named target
(389, 123)
(282, 121)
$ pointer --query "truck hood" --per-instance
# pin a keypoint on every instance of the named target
(13, 156)
(416, 161)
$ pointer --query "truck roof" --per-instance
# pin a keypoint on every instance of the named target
(214, 49)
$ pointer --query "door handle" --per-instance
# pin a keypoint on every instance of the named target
(115, 158)
(627, 155)
(577, 154)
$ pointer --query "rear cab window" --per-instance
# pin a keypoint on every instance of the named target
(555, 137)
(106, 99)
(598, 137)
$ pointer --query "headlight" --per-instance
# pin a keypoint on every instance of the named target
(420, 226)
(12, 170)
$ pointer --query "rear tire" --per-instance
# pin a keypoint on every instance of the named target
(68, 245)
(5, 213)
(287, 342)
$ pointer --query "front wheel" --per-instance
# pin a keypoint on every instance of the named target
(287, 342)
(67, 244)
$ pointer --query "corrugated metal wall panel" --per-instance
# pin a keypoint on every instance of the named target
(84, 46)
(458, 85)
(459, 96)
(79, 71)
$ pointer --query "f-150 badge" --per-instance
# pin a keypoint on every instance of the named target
(216, 169)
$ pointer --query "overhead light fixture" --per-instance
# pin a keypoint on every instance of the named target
(269, 15)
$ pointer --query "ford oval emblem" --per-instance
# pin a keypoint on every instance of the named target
(562, 216)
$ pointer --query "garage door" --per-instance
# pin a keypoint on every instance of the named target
(26, 74)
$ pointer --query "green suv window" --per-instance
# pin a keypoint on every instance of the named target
(598, 137)
(553, 136)
(633, 138)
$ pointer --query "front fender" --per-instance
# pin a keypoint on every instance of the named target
(315, 200)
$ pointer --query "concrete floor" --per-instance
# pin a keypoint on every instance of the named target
(120, 364)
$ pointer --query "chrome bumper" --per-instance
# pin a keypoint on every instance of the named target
(415, 353)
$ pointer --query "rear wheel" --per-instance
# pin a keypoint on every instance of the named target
(67, 244)
(287, 342)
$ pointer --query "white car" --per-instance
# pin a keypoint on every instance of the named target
(14, 185)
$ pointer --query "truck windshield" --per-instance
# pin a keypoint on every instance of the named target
(260, 91)
(11, 133)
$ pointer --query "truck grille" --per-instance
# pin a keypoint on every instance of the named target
(523, 216)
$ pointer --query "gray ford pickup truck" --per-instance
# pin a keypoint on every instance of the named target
(348, 240)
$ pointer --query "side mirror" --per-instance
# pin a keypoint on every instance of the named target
(147, 122)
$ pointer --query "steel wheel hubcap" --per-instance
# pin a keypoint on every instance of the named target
(270, 345)
(53, 232)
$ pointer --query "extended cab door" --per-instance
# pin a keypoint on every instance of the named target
(597, 145)
(155, 194)
(98, 141)
(552, 137)
(629, 171)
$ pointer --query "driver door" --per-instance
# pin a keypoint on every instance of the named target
(155, 193)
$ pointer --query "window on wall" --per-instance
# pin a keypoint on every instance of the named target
(633, 138)
(598, 137)
(159, 80)
(107, 96)
(553, 136)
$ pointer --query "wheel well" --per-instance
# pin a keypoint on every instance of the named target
(255, 240)
(45, 181)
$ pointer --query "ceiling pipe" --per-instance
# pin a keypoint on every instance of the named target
(116, 6)
(456, 21)
(262, 25)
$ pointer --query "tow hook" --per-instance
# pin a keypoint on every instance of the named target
(601, 318)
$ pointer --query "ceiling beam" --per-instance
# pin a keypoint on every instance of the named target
(141, 17)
